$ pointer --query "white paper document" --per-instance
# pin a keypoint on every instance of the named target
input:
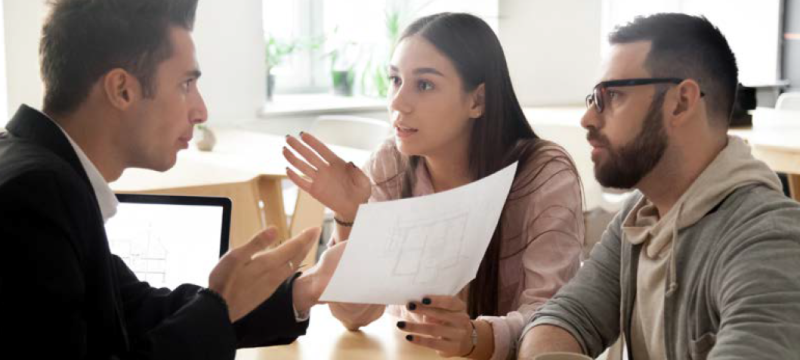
(402, 250)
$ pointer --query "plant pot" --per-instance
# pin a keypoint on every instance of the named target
(270, 86)
(343, 82)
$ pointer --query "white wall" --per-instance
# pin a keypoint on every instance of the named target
(229, 40)
(552, 49)
(230, 48)
(488, 10)
(3, 89)
(22, 24)
(752, 28)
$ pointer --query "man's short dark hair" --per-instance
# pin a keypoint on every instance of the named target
(691, 47)
(84, 39)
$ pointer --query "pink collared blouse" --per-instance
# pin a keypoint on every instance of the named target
(543, 211)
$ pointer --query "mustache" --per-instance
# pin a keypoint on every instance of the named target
(594, 135)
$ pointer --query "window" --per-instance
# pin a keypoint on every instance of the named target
(296, 24)
(322, 36)
(349, 37)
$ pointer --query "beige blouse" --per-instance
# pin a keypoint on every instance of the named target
(543, 211)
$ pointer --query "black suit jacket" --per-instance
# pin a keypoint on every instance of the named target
(63, 295)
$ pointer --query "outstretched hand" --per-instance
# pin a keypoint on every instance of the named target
(247, 276)
(339, 185)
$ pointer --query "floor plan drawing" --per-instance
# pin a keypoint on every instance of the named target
(402, 250)
(145, 255)
(422, 249)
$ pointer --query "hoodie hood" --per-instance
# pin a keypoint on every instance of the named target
(733, 168)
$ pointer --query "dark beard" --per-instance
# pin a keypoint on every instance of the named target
(627, 165)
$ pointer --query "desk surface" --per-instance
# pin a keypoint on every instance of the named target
(238, 156)
(327, 339)
(780, 149)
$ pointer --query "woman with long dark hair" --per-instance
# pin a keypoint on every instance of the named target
(456, 120)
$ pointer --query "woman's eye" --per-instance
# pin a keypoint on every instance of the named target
(394, 79)
(425, 85)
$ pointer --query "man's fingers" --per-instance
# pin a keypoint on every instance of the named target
(258, 243)
(313, 234)
(293, 250)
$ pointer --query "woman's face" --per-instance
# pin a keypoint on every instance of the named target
(430, 111)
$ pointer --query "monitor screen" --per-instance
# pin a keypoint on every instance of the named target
(170, 240)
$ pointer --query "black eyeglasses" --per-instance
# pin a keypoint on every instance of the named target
(597, 97)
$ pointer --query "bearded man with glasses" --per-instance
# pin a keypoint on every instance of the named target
(703, 261)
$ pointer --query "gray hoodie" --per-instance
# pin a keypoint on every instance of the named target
(727, 272)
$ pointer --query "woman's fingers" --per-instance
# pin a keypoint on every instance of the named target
(442, 346)
(320, 148)
(432, 330)
(439, 316)
(445, 302)
(298, 180)
(306, 152)
(445, 328)
(301, 165)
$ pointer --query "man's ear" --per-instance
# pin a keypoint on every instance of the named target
(478, 102)
(686, 100)
(121, 88)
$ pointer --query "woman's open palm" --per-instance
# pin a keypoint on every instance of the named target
(337, 184)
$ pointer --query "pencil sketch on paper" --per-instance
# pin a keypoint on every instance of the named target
(426, 245)
(423, 249)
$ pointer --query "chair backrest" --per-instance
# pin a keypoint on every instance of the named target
(350, 131)
(788, 101)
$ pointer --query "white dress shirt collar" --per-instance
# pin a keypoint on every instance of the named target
(106, 198)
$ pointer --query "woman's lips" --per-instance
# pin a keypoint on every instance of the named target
(404, 132)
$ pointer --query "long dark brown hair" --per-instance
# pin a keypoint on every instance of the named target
(501, 137)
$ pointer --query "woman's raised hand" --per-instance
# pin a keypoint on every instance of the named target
(339, 185)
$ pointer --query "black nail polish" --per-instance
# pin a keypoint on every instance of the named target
(426, 301)
(401, 324)
(301, 133)
(409, 337)
(287, 136)
(412, 306)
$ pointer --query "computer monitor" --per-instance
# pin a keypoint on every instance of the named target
(170, 240)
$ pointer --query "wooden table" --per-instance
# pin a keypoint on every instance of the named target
(780, 149)
(328, 339)
(246, 167)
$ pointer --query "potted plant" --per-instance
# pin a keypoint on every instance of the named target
(375, 77)
(343, 69)
(276, 51)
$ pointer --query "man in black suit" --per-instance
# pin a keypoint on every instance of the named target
(120, 91)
